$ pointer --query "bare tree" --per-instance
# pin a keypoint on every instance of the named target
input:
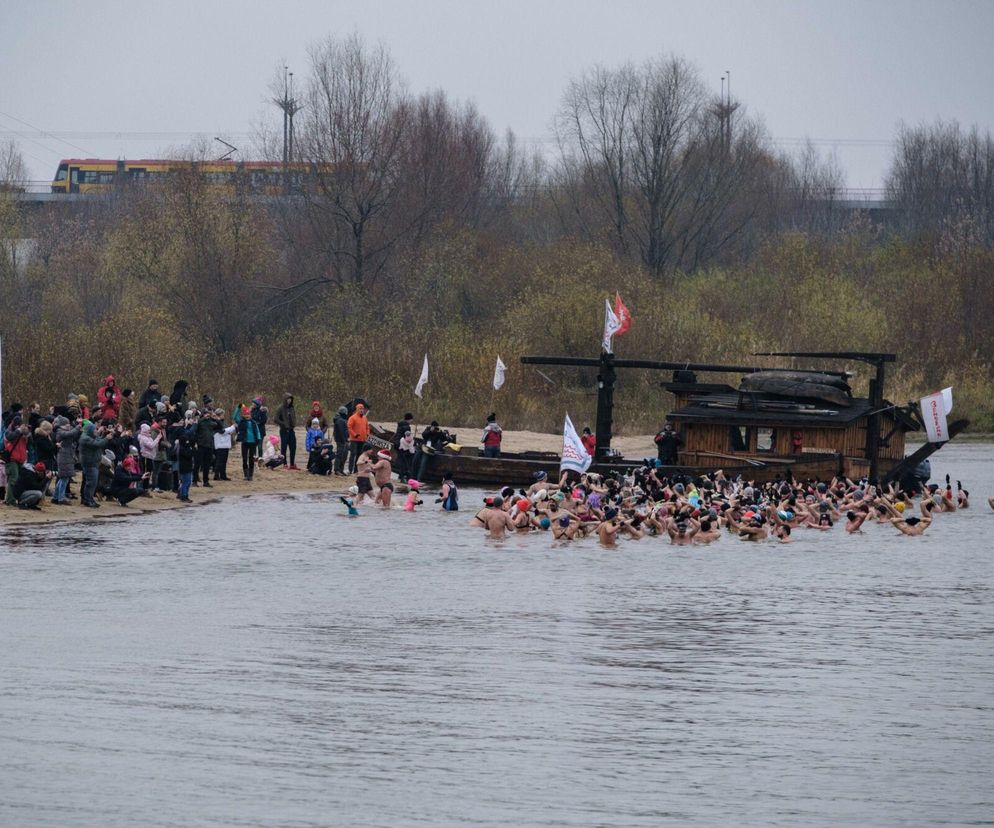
(13, 170)
(941, 175)
(648, 160)
(351, 131)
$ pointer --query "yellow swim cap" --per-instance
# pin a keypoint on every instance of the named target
(899, 506)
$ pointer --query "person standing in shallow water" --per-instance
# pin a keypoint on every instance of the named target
(492, 436)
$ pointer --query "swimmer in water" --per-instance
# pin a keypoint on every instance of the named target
(854, 521)
(350, 505)
(962, 496)
(911, 525)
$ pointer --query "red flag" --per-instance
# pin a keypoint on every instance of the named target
(624, 315)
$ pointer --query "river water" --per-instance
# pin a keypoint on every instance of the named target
(270, 662)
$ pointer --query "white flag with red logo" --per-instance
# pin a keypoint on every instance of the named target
(935, 407)
(575, 454)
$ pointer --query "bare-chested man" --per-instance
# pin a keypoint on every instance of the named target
(750, 529)
(498, 522)
(382, 471)
(608, 531)
(911, 525)
(682, 532)
(364, 476)
(709, 531)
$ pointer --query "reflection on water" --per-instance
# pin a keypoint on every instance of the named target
(271, 662)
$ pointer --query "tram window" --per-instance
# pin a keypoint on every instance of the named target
(137, 172)
(105, 178)
(62, 173)
(766, 439)
(739, 437)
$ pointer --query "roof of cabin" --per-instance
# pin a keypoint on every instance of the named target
(776, 413)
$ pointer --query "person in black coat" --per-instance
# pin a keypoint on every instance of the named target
(340, 432)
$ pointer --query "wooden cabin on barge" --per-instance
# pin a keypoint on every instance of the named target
(719, 423)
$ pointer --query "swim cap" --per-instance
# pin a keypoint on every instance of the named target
(497, 502)
(564, 521)
(899, 506)
(414, 484)
(545, 523)
(523, 505)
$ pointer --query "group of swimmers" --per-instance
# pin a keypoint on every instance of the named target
(700, 510)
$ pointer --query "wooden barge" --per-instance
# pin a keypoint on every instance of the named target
(776, 424)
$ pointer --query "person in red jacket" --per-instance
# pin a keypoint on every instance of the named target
(109, 398)
(589, 441)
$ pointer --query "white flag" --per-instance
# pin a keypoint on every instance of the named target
(935, 407)
(611, 325)
(423, 379)
(499, 374)
(575, 454)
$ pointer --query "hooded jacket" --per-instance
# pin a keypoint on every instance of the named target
(178, 397)
(109, 396)
(148, 441)
(286, 417)
(67, 437)
(341, 429)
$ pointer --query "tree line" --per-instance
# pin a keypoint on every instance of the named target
(431, 232)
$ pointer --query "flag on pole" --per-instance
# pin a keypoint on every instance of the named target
(499, 374)
(935, 407)
(575, 455)
(423, 380)
(611, 325)
(624, 316)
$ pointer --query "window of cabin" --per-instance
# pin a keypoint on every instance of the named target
(62, 173)
(105, 178)
(766, 439)
(739, 438)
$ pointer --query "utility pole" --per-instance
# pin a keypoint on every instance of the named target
(290, 107)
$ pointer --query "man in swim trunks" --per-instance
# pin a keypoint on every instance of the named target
(682, 532)
(607, 532)
(382, 470)
(364, 479)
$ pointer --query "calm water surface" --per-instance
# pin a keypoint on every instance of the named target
(271, 662)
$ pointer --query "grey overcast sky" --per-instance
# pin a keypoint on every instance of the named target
(129, 79)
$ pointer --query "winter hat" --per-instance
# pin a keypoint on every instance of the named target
(61, 421)
(342, 410)
(110, 455)
(40, 467)
(414, 484)
(146, 428)
(218, 412)
(133, 450)
(384, 453)
(274, 440)
(315, 421)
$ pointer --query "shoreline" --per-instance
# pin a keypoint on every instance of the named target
(276, 482)
(272, 482)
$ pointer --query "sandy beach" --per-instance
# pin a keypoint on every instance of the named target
(278, 481)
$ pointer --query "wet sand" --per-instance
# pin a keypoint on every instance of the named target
(267, 482)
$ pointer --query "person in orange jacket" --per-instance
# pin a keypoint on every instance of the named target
(358, 435)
